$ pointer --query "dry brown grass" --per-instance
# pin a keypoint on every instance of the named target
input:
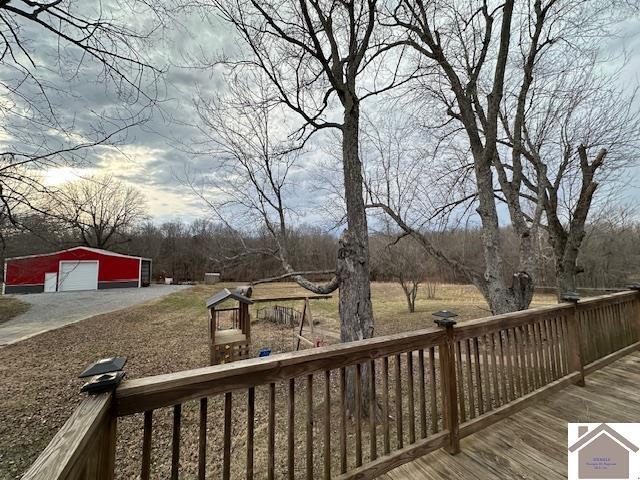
(11, 307)
(39, 389)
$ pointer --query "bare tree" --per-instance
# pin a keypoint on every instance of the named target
(594, 138)
(316, 55)
(404, 261)
(101, 210)
(474, 57)
(46, 49)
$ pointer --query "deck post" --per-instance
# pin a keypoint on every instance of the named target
(574, 340)
(635, 310)
(449, 387)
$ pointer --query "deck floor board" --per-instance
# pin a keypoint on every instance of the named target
(532, 443)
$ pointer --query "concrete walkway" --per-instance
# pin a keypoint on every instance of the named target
(49, 311)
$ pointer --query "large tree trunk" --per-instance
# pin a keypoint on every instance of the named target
(567, 264)
(356, 312)
(495, 291)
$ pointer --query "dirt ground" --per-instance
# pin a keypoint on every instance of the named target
(39, 389)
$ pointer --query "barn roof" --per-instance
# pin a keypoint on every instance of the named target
(91, 249)
(225, 294)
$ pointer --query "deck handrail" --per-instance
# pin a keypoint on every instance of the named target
(433, 387)
(84, 447)
(142, 394)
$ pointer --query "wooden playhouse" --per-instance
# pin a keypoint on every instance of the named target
(229, 327)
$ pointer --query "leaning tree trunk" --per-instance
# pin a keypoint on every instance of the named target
(356, 312)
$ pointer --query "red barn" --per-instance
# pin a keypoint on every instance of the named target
(78, 268)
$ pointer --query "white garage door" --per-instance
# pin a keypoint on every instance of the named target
(78, 276)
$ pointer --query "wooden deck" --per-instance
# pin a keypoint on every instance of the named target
(532, 444)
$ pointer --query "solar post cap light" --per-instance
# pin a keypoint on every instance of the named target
(444, 318)
(572, 297)
(105, 374)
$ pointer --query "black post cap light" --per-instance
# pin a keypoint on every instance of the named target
(105, 374)
(570, 296)
(444, 318)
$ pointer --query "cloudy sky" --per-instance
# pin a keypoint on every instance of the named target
(152, 156)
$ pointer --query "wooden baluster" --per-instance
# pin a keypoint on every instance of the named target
(623, 332)
(460, 380)
(358, 419)
(596, 331)
(555, 343)
(628, 317)
(373, 450)
(526, 359)
(549, 349)
(399, 432)
(494, 370)
(608, 315)
(510, 367)
(202, 440)
(559, 346)
(476, 353)
(310, 427)
(327, 424)
(585, 326)
(535, 356)
(421, 396)
(586, 340)
(226, 448)
(517, 346)
(612, 326)
(485, 372)
(504, 373)
(291, 430)
(251, 409)
(410, 399)
(561, 324)
(517, 360)
(432, 389)
(532, 356)
(544, 368)
(175, 444)
(385, 405)
(633, 317)
(470, 386)
(271, 433)
(602, 332)
(146, 445)
(343, 422)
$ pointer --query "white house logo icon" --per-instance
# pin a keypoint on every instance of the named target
(602, 452)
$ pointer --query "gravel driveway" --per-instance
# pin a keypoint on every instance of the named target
(53, 310)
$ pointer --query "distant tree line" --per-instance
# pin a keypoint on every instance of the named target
(609, 257)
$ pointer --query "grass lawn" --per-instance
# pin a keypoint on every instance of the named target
(39, 388)
(11, 307)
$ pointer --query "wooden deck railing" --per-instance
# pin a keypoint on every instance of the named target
(286, 415)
